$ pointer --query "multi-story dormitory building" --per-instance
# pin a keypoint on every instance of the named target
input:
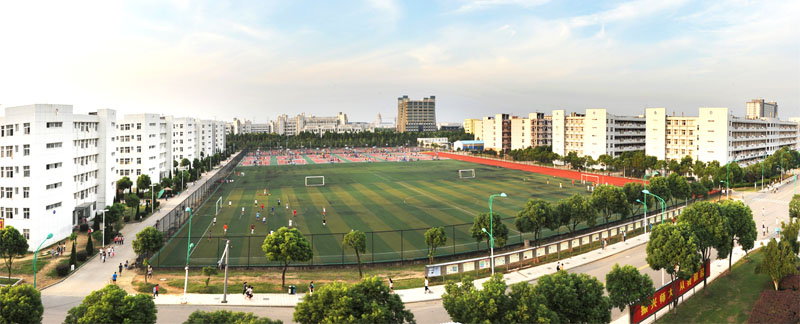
(58, 168)
(714, 134)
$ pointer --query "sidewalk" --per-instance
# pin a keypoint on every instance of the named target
(95, 274)
(235, 297)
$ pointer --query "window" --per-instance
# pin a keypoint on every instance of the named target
(26, 233)
(26, 149)
(53, 124)
(9, 192)
(54, 145)
(26, 213)
(26, 192)
(53, 185)
(26, 171)
(138, 125)
(53, 166)
(56, 205)
(26, 128)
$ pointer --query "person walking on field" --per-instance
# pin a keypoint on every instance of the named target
(252, 229)
(225, 229)
(294, 211)
(214, 222)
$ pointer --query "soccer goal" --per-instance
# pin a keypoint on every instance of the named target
(466, 174)
(590, 178)
(315, 181)
(218, 206)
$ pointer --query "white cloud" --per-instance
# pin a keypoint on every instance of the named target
(477, 5)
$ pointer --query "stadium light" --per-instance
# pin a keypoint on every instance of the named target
(491, 227)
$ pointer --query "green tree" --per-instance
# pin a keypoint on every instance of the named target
(739, 227)
(132, 201)
(12, 245)
(608, 199)
(113, 305)
(20, 304)
(575, 298)
(626, 286)
(434, 238)
(147, 242)
(123, 184)
(287, 245)
(659, 186)
(368, 301)
(89, 245)
(633, 191)
(698, 189)
(142, 183)
(500, 230)
(357, 241)
(707, 226)
(467, 304)
(576, 210)
(778, 262)
(534, 217)
(208, 272)
(789, 234)
(673, 247)
(226, 316)
(678, 187)
(794, 207)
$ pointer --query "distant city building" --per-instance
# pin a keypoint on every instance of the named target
(379, 124)
(416, 115)
(469, 125)
(449, 126)
(757, 108)
(440, 142)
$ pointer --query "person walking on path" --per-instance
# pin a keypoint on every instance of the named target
(427, 290)
(558, 266)
(244, 288)
(126, 264)
(155, 291)
(311, 288)
(391, 285)
(624, 233)
(149, 272)
(114, 278)
(120, 269)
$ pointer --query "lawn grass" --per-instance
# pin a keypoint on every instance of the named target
(26, 266)
(729, 299)
(377, 198)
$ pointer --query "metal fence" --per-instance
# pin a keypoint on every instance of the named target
(175, 218)
(381, 246)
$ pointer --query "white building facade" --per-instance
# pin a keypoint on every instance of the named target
(144, 146)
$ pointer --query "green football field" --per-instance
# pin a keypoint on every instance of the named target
(393, 202)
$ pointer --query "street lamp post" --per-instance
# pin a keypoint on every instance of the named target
(782, 153)
(491, 253)
(728, 179)
(103, 243)
(36, 254)
(188, 250)
(491, 226)
(762, 174)
(645, 213)
(645, 196)
(663, 204)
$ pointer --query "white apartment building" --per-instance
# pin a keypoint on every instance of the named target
(184, 138)
(671, 137)
(536, 130)
(144, 146)
(53, 168)
(496, 132)
(597, 132)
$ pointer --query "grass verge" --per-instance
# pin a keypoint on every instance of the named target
(729, 299)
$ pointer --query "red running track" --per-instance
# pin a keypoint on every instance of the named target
(569, 174)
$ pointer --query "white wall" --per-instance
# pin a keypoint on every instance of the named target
(559, 146)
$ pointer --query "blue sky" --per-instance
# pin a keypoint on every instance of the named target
(258, 59)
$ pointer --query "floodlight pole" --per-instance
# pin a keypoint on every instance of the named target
(49, 236)
(491, 227)
(188, 250)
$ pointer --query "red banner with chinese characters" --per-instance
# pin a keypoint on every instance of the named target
(665, 295)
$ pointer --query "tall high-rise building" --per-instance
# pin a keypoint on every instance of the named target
(757, 108)
(416, 115)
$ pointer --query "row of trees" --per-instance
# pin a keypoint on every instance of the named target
(379, 138)
(635, 164)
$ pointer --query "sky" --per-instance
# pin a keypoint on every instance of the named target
(258, 59)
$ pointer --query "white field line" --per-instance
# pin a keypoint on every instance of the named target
(200, 239)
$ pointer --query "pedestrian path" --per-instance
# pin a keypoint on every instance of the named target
(407, 295)
(95, 274)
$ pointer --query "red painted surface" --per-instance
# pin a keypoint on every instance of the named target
(569, 174)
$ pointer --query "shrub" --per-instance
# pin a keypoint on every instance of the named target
(81, 256)
(127, 218)
(790, 282)
(62, 270)
(776, 307)
(84, 228)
